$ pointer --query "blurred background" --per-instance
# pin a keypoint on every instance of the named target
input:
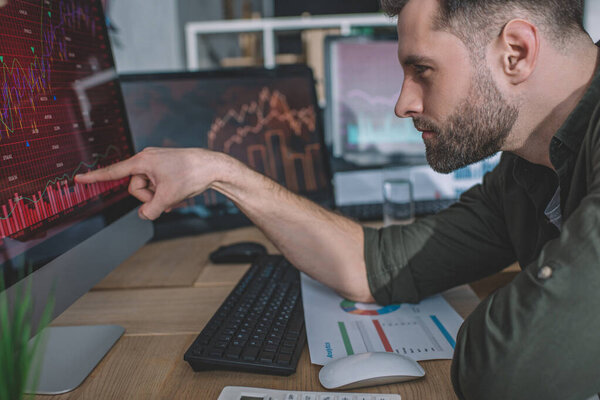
(149, 35)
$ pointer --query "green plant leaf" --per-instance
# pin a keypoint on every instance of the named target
(16, 354)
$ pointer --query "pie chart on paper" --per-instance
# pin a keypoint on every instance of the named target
(355, 308)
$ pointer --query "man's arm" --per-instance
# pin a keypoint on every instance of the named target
(463, 243)
(537, 338)
(322, 244)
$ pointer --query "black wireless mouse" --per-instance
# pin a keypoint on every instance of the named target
(241, 252)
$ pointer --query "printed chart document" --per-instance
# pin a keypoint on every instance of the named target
(337, 327)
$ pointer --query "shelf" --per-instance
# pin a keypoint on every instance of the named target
(269, 26)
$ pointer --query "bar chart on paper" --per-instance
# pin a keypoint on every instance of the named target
(338, 327)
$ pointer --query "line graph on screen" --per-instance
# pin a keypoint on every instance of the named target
(273, 138)
(19, 81)
(56, 197)
(43, 139)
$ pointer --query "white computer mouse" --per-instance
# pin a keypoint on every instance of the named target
(369, 369)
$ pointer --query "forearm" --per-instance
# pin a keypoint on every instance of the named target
(326, 246)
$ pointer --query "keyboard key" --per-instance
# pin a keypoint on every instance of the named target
(233, 352)
(204, 340)
(267, 356)
(216, 353)
(197, 350)
(328, 397)
(250, 353)
(271, 348)
(284, 359)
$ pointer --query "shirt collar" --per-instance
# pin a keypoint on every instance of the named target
(573, 130)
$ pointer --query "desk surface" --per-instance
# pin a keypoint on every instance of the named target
(164, 295)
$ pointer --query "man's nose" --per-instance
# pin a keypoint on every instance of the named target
(410, 102)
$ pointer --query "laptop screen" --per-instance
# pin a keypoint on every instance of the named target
(267, 119)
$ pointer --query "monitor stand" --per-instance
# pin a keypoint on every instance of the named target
(69, 354)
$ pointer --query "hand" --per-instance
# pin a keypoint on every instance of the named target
(161, 178)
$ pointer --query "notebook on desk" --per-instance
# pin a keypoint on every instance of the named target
(266, 118)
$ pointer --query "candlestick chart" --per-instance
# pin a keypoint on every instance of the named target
(59, 115)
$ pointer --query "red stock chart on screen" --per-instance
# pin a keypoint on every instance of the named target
(60, 114)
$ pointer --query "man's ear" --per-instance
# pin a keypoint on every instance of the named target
(518, 45)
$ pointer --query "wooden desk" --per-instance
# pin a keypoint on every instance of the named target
(164, 295)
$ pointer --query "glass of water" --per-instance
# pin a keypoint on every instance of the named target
(398, 203)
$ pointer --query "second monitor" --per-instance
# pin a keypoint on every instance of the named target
(268, 119)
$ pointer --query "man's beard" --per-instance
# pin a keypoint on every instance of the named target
(476, 130)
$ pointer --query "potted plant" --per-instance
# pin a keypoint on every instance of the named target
(17, 370)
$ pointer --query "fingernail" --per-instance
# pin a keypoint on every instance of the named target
(142, 216)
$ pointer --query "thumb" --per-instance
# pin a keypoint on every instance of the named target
(154, 208)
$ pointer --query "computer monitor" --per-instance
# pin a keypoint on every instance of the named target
(266, 118)
(364, 79)
(367, 142)
(61, 113)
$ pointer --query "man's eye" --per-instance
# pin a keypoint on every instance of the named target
(421, 69)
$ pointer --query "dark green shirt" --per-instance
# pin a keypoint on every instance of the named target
(539, 336)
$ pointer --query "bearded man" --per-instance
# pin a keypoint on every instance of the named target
(480, 76)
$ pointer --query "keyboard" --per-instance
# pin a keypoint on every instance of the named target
(374, 211)
(259, 327)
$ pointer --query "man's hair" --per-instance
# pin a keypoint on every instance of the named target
(477, 22)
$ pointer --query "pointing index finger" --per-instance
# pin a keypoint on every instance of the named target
(113, 172)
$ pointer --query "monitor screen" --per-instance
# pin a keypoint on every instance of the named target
(61, 114)
(367, 142)
(364, 80)
(268, 119)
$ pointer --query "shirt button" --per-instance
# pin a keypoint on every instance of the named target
(545, 272)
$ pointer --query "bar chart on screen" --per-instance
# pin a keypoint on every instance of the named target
(337, 327)
(56, 119)
(273, 138)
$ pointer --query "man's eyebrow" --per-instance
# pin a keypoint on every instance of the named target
(414, 60)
